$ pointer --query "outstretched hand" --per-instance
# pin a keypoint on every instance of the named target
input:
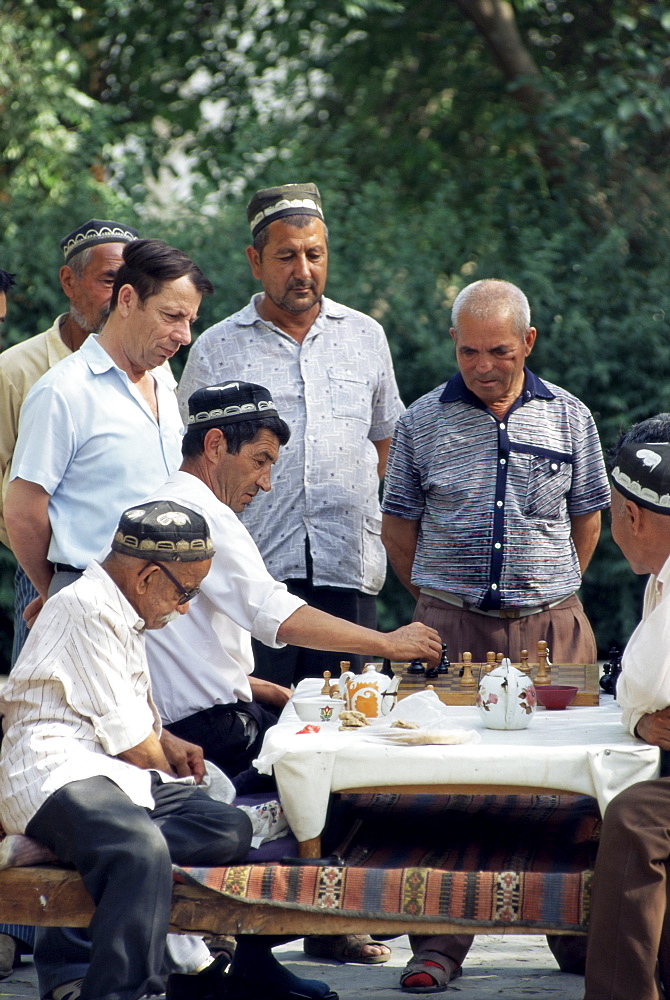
(655, 729)
(415, 641)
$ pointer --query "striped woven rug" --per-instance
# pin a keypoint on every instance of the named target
(474, 860)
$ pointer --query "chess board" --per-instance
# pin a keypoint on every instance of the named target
(450, 690)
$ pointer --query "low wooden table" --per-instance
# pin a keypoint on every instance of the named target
(580, 750)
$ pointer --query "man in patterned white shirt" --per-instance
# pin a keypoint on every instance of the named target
(330, 372)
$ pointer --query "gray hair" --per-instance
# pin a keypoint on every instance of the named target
(80, 261)
(490, 298)
(653, 430)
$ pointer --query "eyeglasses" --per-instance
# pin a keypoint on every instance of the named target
(187, 595)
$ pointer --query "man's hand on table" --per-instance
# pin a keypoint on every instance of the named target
(184, 758)
(415, 641)
(655, 728)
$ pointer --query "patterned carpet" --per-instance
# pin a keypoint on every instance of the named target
(475, 860)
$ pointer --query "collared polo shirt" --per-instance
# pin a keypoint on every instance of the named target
(20, 367)
(89, 438)
(337, 392)
(495, 497)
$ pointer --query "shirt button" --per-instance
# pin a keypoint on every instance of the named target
(502, 427)
(499, 503)
(497, 545)
(503, 461)
(494, 586)
(554, 467)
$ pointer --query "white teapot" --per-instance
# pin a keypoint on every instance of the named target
(506, 698)
(369, 692)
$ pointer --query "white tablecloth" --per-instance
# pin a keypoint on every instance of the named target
(584, 750)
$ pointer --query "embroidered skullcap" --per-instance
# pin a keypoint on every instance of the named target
(274, 203)
(642, 473)
(96, 231)
(163, 531)
(229, 403)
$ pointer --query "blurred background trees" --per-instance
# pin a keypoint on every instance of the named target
(450, 141)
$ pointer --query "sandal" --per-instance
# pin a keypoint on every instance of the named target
(440, 975)
(344, 948)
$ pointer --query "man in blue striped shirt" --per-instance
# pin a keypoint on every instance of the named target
(491, 512)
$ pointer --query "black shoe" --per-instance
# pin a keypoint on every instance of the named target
(205, 985)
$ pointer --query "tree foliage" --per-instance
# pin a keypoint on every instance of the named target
(450, 141)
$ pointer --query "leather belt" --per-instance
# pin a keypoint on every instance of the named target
(458, 602)
(64, 568)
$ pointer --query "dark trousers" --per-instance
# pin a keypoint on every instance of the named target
(225, 737)
(124, 854)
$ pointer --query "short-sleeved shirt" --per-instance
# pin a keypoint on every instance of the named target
(337, 392)
(78, 696)
(20, 367)
(495, 497)
(88, 437)
(204, 658)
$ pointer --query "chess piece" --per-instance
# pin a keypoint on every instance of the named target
(611, 670)
(345, 666)
(444, 664)
(524, 665)
(467, 680)
(326, 683)
(431, 672)
(542, 676)
(416, 667)
(490, 662)
(499, 659)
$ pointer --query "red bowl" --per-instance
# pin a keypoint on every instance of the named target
(554, 696)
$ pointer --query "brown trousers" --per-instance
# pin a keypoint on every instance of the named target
(565, 628)
(570, 638)
(629, 905)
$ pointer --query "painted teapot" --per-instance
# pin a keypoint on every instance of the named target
(369, 692)
(506, 698)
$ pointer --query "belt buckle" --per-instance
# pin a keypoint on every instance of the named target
(509, 613)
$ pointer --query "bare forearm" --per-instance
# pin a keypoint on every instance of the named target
(26, 512)
(585, 532)
(147, 755)
(269, 693)
(400, 537)
(315, 629)
(382, 447)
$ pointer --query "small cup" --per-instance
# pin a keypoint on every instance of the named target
(319, 709)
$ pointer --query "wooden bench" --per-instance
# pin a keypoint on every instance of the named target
(528, 875)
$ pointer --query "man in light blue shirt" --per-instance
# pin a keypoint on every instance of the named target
(101, 429)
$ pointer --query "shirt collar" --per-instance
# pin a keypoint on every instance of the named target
(533, 388)
(249, 315)
(99, 362)
(94, 571)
